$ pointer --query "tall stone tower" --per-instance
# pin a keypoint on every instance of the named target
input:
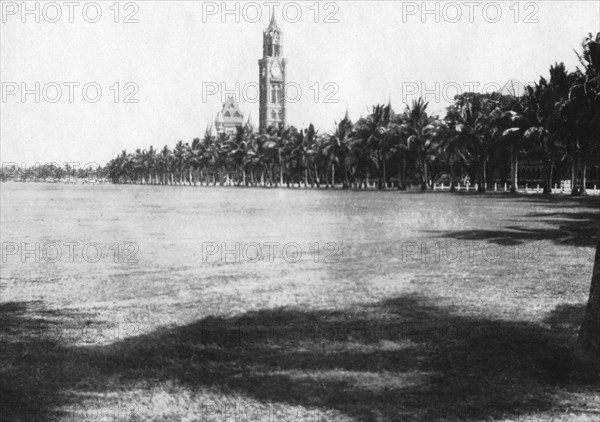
(272, 78)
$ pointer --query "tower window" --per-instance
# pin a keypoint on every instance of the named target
(275, 94)
(273, 50)
(276, 116)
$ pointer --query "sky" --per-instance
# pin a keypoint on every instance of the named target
(154, 72)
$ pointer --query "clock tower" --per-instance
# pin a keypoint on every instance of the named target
(272, 79)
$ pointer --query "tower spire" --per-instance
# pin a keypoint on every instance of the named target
(273, 27)
(272, 78)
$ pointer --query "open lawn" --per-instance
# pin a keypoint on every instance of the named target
(364, 306)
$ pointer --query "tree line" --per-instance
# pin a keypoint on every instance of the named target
(482, 138)
(52, 172)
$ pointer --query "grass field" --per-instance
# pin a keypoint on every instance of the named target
(433, 307)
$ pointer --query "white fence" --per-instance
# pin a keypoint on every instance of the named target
(564, 188)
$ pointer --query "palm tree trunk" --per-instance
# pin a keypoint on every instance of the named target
(514, 165)
(332, 175)
(280, 168)
(379, 172)
(384, 184)
(583, 174)
(588, 344)
(573, 175)
(547, 177)
(400, 180)
(403, 186)
(346, 180)
(423, 174)
(481, 177)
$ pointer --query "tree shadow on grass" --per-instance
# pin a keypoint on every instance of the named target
(569, 234)
(36, 362)
(561, 226)
(399, 359)
(567, 316)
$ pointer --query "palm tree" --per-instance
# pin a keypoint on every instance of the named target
(364, 160)
(512, 124)
(267, 155)
(475, 118)
(312, 142)
(455, 150)
(273, 144)
(401, 153)
(179, 160)
(220, 154)
(582, 107)
(420, 129)
(296, 156)
(338, 149)
(586, 92)
(372, 131)
(206, 158)
(254, 161)
(509, 122)
(544, 125)
(166, 162)
(125, 167)
(194, 154)
(150, 164)
(287, 136)
(238, 148)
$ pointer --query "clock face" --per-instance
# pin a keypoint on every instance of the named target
(275, 70)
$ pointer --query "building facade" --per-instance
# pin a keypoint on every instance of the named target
(272, 110)
(229, 118)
